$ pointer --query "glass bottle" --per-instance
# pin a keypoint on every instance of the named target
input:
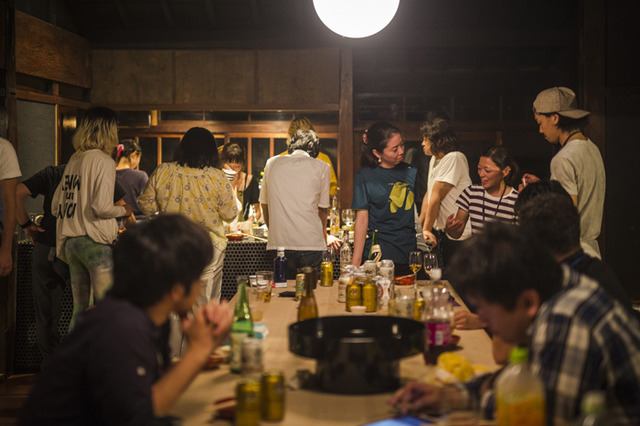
(375, 253)
(242, 325)
(354, 290)
(437, 319)
(334, 217)
(326, 268)
(370, 295)
(520, 393)
(280, 269)
(307, 308)
(345, 251)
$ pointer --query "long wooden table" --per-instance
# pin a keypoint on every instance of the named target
(308, 407)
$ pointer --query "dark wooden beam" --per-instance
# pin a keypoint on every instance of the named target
(122, 13)
(255, 14)
(346, 144)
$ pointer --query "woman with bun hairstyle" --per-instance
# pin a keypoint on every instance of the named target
(493, 200)
(383, 197)
(127, 156)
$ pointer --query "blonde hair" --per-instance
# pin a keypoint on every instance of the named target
(98, 129)
(302, 123)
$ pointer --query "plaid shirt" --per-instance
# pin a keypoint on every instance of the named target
(582, 339)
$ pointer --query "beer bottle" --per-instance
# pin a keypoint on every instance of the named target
(307, 308)
(375, 253)
(242, 325)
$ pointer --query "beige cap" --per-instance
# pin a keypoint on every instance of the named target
(559, 100)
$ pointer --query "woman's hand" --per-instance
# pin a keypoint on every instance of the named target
(415, 396)
(454, 226)
(527, 178)
(466, 320)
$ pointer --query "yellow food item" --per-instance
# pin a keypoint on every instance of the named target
(456, 365)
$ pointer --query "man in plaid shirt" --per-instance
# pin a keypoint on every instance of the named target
(579, 337)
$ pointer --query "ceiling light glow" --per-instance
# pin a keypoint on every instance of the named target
(356, 18)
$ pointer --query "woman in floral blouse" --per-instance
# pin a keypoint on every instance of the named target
(193, 186)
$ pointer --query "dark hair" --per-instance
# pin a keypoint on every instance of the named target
(376, 137)
(440, 133)
(568, 124)
(197, 149)
(500, 155)
(125, 148)
(306, 140)
(553, 220)
(233, 153)
(500, 263)
(534, 189)
(150, 258)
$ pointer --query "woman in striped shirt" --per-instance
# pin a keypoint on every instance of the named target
(493, 199)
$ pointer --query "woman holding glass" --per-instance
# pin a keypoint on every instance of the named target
(383, 197)
(493, 200)
(244, 186)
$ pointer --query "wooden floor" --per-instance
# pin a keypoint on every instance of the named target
(13, 394)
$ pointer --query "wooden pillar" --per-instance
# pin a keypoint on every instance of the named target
(8, 130)
(592, 90)
(345, 128)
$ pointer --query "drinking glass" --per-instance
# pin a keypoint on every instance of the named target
(414, 263)
(348, 217)
(328, 255)
(264, 280)
(402, 301)
(430, 262)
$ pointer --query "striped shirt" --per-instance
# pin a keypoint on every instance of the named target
(483, 207)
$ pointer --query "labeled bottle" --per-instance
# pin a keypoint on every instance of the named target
(307, 308)
(346, 255)
(242, 325)
(520, 393)
(280, 269)
(437, 320)
(326, 269)
(299, 287)
(334, 217)
(593, 409)
(343, 282)
(375, 253)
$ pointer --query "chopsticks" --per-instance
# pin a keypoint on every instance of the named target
(249, 235)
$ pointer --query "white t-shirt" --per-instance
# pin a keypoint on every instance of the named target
(294, 187)
(9, 167)
(580, 169)
(453, 169)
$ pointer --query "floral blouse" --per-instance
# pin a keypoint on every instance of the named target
(203, 195)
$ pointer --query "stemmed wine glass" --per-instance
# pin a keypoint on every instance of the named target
(415, 264)
(430, 262)
(348, 217)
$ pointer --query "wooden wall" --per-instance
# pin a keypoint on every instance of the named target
(218, 79)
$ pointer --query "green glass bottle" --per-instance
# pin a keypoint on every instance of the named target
(375, 253)
(242, 325)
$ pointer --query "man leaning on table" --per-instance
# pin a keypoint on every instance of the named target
(579, 337)
(112, 369)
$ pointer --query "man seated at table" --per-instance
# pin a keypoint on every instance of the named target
(112, 368)
(295, 202)
(579, 337)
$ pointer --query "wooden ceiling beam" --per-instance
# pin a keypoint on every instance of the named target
(122, 13)
(211, 13)
(255, 14)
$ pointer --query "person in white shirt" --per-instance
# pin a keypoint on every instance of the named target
(83, 205)
(9, 174)
(448, 177)
(295, 202)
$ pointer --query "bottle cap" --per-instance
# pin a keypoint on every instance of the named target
(280, 249)
(518, 355)
(594, 402)
(436, 274)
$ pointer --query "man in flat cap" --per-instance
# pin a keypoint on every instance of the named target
(578, 164)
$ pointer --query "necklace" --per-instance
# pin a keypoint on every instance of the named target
(569, 137)
(497, 207)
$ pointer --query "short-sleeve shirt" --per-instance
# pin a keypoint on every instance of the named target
(9, 167)
(103, 372)
(133, 182)
(453, 169)
(388, 196)
(294, 186)
(580, 169)
(45, 183)
(483, 208)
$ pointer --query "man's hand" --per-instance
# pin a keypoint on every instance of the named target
(209, 326)
(527, 178)
(454, 227)
(333, 243)
(32, 231)
(416, 396)
(6, 262)
(428, 236)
